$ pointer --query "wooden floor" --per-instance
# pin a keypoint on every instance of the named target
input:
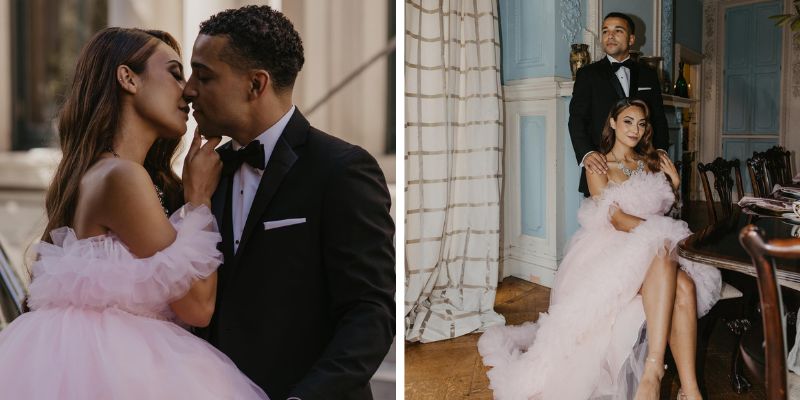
(452, 369)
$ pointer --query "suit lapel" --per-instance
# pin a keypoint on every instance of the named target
(280, 162)
(634, 89)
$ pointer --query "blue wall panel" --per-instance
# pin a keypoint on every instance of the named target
(689, 24)
(527, 33)
(533, 137)
(533, 39)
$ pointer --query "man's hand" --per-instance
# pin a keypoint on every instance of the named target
(201, 170)
(595, 163)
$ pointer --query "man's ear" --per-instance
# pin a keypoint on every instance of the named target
(127, 79)
(631, 40)
(259, 81)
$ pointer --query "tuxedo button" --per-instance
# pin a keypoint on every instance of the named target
(237, 242)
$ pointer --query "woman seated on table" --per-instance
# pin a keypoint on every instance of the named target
(619, 296)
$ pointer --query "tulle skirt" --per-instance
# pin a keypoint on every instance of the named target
(83, 354)
(591, 343)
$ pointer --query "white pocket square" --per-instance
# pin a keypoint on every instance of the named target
(645, 88)
(283, 222)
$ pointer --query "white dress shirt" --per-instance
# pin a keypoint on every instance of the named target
(247, 178)
(623, 74)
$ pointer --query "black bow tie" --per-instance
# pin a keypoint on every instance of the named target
(252, 154)
(615, 66)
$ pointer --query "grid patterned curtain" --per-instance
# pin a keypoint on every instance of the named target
(454, 147)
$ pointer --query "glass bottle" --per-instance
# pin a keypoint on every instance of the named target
(681, 87)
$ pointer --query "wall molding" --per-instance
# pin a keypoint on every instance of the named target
(591, 34)
(541, 251)
(570, 19)
(665, 47)
(537, 89)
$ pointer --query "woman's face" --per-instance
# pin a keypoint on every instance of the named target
(630, 126)
(160, 101)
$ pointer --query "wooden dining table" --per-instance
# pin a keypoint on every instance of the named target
(718, 246)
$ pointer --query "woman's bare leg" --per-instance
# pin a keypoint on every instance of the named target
(658, 297)
(683, 337)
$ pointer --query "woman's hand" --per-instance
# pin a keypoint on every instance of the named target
(669, 168)
(201, 170)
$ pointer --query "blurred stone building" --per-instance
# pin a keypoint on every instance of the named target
(346, 88)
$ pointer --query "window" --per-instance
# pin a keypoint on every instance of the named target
(47, 38)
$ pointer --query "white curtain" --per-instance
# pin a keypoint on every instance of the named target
(454, 147)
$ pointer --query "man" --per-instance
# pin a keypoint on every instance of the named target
(305, 298)
(601, 84)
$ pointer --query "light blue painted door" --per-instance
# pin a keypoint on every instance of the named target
(752, 70)
(752, 78)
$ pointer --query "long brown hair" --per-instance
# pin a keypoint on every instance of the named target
(91, 116)
(644, 148)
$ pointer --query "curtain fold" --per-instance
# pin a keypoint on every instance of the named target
(453, 161)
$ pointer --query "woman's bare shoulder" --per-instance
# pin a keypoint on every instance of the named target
(115, 174)
(110, 183)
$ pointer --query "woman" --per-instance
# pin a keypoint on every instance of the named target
(113, 274)
(618, 290)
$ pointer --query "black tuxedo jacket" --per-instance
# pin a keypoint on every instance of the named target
(595, 91)
(307, 310)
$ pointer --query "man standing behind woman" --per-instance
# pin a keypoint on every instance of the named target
(601, 84)
(619, 296)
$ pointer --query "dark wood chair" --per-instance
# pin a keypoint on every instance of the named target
(738, 291)
(723, 184)
(756, 169)
(778, 165)
(763, 254)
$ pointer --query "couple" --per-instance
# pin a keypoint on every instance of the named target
(303, 302)
(619, 296)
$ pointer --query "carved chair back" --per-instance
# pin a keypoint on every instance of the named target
(723, 185)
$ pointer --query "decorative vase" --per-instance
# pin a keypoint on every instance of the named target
(578, 57)
(681, 87)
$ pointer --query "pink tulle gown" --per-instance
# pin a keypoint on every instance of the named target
(101, 326)
(591, 344)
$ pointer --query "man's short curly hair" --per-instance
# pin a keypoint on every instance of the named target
(262, 38)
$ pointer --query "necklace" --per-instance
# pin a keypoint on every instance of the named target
(627, 171)
(111, 150)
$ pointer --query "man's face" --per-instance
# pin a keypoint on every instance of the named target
(218, 92)
(616, 37)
